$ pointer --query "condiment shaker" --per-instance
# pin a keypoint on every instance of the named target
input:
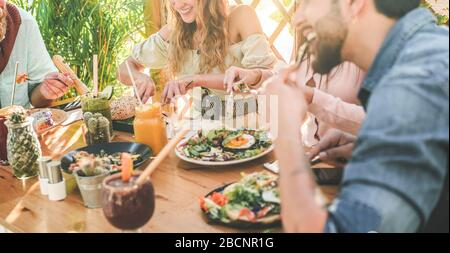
(56, 184)
(43, 174)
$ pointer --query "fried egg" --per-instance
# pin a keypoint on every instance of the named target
(244, 141)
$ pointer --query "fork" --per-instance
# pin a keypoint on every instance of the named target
(273, 166)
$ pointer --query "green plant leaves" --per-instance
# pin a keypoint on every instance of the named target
(78, 29)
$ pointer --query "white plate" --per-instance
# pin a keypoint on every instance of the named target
(209, 163)
(58, 116)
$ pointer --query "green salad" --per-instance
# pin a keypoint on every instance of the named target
(226, 145)
(254, 199)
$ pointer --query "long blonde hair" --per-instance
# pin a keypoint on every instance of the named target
(210, 31)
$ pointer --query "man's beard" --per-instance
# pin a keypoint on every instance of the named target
(331, 35)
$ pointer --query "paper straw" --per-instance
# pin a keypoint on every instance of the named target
(161, 156)
(134, 84)
(95, 70)
(13, 94)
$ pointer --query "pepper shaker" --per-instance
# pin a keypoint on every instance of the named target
(56, 184)
(43, 174)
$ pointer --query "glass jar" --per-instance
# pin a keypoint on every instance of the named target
(97, 105)
(100, 135)
(150, 128)
(23, 148)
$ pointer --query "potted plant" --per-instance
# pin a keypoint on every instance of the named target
(90, 175)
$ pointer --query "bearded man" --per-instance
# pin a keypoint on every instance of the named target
(38, 81)
(396, 179)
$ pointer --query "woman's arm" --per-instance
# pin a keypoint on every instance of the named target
(257, 55)
(152, 48)
(144, 83)
(244, 23)
(334, 111)
(329, 108)
(251, 77)
(152, 54)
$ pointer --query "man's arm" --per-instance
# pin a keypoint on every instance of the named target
(400, 162)
(53, 87)
(39, 66)
(300, 211)
(36, 98)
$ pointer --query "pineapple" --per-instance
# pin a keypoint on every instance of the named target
(23, 146)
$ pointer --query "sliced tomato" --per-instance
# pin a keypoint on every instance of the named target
(263, 212)
(21, 78)
(127, 166)
(202, 203)
(116, 168)
(219, 199)
(246, 213)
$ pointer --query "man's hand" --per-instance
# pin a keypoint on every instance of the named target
(334, 148)
(55, 85)
(292, 106)
(144, 83)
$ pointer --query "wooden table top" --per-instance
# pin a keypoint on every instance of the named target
(178, 186)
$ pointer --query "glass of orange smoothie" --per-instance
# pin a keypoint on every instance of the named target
(149, 127)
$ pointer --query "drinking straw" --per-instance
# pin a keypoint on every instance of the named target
(95, 69)
(161, 156)
(187, 87)
(134, 83)
(14, 83)
(229, 108)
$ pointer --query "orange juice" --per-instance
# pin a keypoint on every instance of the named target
(150, 128)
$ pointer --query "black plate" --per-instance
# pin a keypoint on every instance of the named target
(124, 125)
(111, 148)
(240, 224)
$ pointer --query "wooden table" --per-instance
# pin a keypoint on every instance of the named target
(178, 186)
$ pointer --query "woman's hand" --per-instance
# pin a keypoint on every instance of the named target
(144, 83)
(55, 85)
(145, 86)
(308, 92)
(235, 75)
(177, 88)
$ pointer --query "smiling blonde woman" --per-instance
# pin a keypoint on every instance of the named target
(200, 42)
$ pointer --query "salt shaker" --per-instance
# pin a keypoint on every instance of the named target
(56, 184)
(43, 173)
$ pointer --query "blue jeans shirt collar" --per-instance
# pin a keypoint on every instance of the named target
(402, 31)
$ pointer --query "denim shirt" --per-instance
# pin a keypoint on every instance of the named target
(399, 167)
